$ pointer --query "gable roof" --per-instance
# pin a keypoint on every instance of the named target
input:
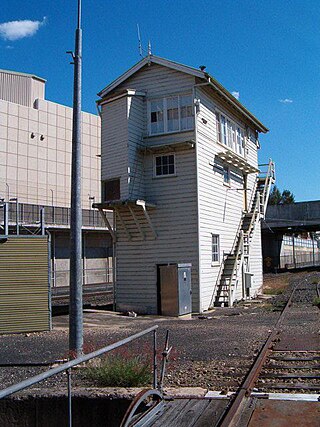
(224, 93)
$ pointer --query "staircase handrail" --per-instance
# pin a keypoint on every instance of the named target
(254, 190)
(255, 214)
(217, 281)
(270, 179)
(240, 248)
(236, 239)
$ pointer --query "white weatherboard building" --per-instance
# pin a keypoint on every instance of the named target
(180, 170)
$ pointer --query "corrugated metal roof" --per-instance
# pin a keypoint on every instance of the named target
(17, 73)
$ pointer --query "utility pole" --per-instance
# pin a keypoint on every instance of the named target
(75, 303)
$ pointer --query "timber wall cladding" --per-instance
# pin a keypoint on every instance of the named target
(24, 285)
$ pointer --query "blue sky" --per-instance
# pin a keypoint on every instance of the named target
(267, 50)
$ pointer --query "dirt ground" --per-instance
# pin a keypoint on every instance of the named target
(213, 351)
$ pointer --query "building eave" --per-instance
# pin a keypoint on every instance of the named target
(207, 78)
(236, 104)
(147, 60)
(16, 73)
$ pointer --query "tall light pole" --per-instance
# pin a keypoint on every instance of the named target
(75, 303)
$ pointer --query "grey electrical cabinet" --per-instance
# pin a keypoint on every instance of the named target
(175, 289)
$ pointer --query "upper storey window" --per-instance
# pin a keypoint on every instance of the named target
(170, 114)
(230, 134)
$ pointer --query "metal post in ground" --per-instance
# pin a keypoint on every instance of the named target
(6, 218)
(155, 369)
(75, 304)
(69, 398)
(42, 224)
(294, 252)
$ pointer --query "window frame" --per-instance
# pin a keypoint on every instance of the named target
(168, 175)
(165, 114)
(226, 129)
(215, 254)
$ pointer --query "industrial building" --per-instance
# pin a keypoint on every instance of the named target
(35, 172)
(180, 171)
(291, 236)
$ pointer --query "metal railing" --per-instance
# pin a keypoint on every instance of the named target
(298, 260)
(72, 363)
(90, 276)
(29, 214)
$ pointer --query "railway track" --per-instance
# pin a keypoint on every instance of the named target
(287, 368)
(282, 387)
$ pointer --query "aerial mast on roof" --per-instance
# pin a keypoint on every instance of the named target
(139, 40)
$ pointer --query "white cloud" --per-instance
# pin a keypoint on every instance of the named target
(15, 30)
(236, 94)
(286, 101)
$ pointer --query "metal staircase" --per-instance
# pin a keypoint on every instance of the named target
(236, 263)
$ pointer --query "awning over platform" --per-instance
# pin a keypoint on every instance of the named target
(115, 205)
(237, 161)
(174, 146)
(111, 204)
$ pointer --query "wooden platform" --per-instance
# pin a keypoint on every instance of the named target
(189, 413)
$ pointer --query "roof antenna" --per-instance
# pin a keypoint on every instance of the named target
(149, 53)
(139, 40)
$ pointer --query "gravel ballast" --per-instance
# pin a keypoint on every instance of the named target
(213, 352)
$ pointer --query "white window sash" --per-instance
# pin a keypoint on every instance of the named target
(165, 115)
(229, 134)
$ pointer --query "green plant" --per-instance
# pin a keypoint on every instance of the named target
(118, 371)
(270, 291)
(314, 281)
(316, 302)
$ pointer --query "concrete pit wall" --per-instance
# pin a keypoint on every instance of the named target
(52, 411)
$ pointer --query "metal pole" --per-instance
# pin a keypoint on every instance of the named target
(69, 397)
(42, 225)
(155, 369)
(294, 252)
(6, 218)
(75, 304)
(313, 254)
(17, 216)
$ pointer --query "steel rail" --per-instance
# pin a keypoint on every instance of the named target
(232, 417)
(66, 366)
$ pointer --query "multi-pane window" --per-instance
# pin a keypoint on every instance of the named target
(186, 112)
(171, 114)
(164, 165)
(229, 134)
(240, 140)
(156, 116)
(215, 248)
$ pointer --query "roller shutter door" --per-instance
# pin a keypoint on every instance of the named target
(24, 284)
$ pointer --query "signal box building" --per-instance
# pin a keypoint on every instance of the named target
(180, 171)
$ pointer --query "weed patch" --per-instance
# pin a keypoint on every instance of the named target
(116, 371)
(277, 291)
